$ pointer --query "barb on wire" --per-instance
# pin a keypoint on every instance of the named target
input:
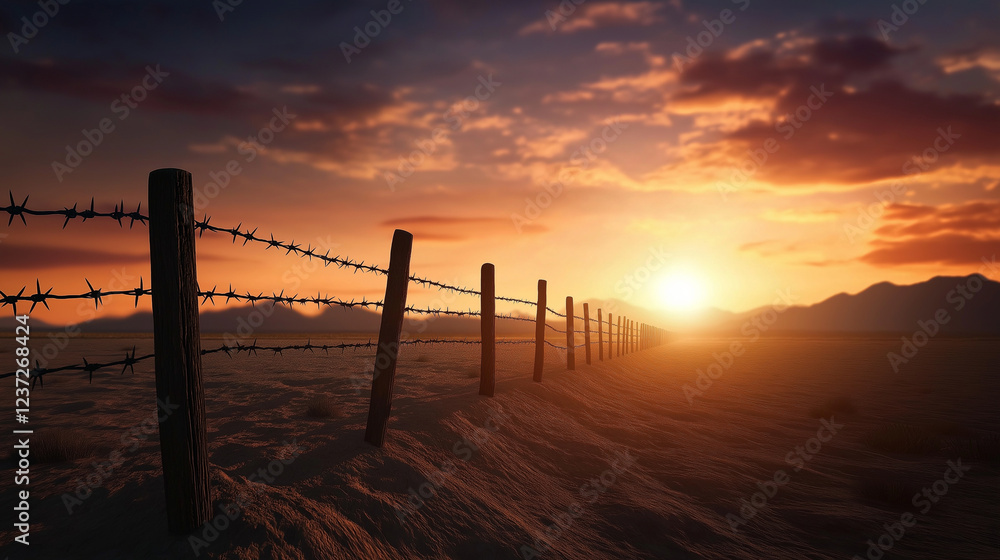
(93, 293)
(281, 298)
(510, 317)
(309, 252)
(118, 214)
(36, 373)
(251, 349)
(443, 286)
(554, 312)
(468, 313)
(516, 300)
(98, 296)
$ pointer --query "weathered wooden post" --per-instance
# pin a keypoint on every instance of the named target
(487, 330)
(393, 309)
(177, 349)
(600, 337)
(540, 332)
(570, 335)
(586, 332)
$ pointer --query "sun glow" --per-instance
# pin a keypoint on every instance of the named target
(682, 290)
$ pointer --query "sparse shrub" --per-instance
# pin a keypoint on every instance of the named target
(472, 372)
(323, 407)
(423, 358)
(831, 407)
(903, 438)
(58, 445)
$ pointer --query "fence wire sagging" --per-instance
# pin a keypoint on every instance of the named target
(173, 230)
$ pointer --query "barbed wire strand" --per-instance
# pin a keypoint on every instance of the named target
(37, 373)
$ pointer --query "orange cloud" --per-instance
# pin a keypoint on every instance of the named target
(595, 16)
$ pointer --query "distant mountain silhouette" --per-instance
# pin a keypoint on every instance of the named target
(886, 307)
(882, 307)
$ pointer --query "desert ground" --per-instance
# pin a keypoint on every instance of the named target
(613, 460)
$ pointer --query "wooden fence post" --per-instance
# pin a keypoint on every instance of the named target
(618, 345)
(540, 332)
(600, 337)
(610, 339)
(586, 332)
(487, 328)
(570, 335)
(393, 309)
(177, 349)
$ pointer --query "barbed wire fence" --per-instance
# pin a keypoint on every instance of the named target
(176, 301)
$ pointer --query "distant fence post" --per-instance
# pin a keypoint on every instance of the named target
(610, 339)
(600, 337)
(488, 333)
(177, 349)
(393, 309)
(586, 332)
(540, 332)
(570, 335)
(618, 345)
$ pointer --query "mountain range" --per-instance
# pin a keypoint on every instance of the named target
(960, 305)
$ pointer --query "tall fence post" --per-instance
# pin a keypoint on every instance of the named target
(540, 332)
(570, 335)
(393, 309)
(177, 349)
(586, 332)
(488, 333)
(600, 337)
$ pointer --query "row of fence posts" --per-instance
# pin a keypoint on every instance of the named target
(177, 344)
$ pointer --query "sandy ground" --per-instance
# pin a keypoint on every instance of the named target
(609, 461)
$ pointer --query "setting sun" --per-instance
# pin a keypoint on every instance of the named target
(682, 291)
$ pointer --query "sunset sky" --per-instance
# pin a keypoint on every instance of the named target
(881, 143)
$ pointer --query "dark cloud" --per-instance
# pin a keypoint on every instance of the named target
(946, 249)
(861, 133)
